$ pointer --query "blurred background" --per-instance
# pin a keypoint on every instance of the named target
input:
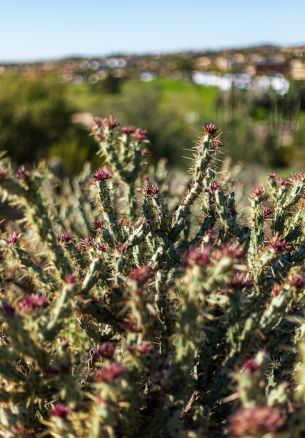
(166, 66)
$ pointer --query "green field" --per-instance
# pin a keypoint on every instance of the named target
(176, 95)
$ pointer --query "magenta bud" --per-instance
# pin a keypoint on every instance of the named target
(71, 279)
(33, 302)
(198, 256)
(106, 351)
(22, 173)
(215, 186)
(145, 347)
(141, 275)
(65, 237)
(61, 411)
(127, 130)
(258, 192)
(151, 189)
(111, 122)
(13, 238)
(110, 373)
(140, 134)
(277, 244)
(210, 128)
(251, 365)
(102, 175)
(98, 224)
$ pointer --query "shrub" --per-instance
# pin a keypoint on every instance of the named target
(130, 309)
(36, 116)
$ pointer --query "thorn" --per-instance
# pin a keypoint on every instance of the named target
(273, 273)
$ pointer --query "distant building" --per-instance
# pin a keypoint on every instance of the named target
(223, 63)
(239, 57)
(297, 70)
(250, 69)
(272, 67)
(202, 63)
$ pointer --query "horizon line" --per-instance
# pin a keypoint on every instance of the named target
(36, 60)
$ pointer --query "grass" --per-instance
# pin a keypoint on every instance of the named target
(181, 96)
(188, 97)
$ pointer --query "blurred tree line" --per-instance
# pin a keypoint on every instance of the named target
(36, 120)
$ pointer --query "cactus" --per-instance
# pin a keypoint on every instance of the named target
(130, 310)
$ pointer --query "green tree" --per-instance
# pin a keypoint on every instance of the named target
(34, 115)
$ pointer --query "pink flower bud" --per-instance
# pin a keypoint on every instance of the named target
(210, 129)
(141, 275)
(258, 192)
(19, 430)
(217, 143)
(22, 173)
(127, 130)
(65, 237)
(86, 243)
(140, 134)
(276, 289)
(102, 247)
(256, 421)
(33, 302)
(105, 350)
(98, 224)
(120, 248)
(98, 122)
(215, 186)
(284, 182)
(231, 250)
(71, 279)
(102, 175)
(3, 173)
(100, 136)
(277, 244)
(111, 122)
(129, 325)
(198, 256)
(110, 373)
(297, 281)
(251, 365)
(298, 177)
(151, 189)
(267, 212)
(241, 280)
(13, 238)
(61, 411)
(124, 222)
(145, 347)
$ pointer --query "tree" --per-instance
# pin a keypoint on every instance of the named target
(34, 114)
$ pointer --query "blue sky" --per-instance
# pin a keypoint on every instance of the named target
(32, 29)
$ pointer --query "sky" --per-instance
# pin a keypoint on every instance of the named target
(47, 29)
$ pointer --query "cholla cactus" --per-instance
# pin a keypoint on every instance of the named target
(128, 311)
